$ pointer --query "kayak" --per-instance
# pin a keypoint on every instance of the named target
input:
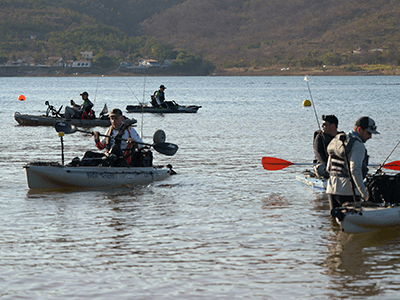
(104, 170)
(51, 175)
(380, 211)
(309, 179)
(37, 120)
(162, 110)
(366, 217)
(54, 116)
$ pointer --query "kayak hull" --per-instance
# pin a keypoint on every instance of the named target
(361, 219)
(162, 110)
(55, 176)
(34, 120)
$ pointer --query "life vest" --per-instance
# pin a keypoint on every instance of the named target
(126, 153)
(89, 115)
(337, 163)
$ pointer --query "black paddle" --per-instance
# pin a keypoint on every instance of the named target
(164, 148)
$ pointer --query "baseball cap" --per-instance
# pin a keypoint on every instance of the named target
(163, 87)
(367, 123)
(85, 93)
(115, 112)
(330, 119)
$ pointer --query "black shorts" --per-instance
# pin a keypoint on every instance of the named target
(338, 200)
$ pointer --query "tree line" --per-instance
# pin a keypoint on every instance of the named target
(205, 34)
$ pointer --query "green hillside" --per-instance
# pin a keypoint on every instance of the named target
(207, 33)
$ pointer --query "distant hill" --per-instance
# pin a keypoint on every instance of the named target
(268, 32)
(123, 14)
(228, 33)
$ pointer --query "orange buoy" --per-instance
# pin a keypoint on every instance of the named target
(21, 98)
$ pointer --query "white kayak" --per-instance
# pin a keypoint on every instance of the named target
(381, 211)
(309, 179)
(367, 218)
(55, 176)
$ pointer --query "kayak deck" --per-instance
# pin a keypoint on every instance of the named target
(309, 179)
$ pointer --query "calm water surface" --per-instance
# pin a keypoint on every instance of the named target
(223, 227)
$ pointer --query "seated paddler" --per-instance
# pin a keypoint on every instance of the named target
(158, 98)
(82, 111)
(121, 140)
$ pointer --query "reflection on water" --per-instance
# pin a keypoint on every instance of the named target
(359, 265)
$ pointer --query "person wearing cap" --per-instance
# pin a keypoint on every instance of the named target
(348, 164)
(123, 138)
(159, 97)
(321, 140)
(78, 111)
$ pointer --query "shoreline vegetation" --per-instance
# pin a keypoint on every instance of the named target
(364, 70)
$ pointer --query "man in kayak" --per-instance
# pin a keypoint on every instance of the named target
(348, 164)
(321, 140)
(159, 97)
(78, 111)
(121, 140)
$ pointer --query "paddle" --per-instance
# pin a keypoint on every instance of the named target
(274, 164)
(164, 148)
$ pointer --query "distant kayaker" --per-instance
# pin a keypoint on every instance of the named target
(321, 140)
(348, 156)
(83, 111)
(122, 142)
(158, 97)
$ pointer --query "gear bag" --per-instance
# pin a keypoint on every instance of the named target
(383, 188)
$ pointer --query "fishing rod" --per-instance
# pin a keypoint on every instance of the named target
(144, 89)
(95, 94)
(380, 167)
(133, 93)
(312, 101)
(141, 105)
(320, 132)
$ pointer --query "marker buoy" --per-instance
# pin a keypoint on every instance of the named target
(306, 103)
(21, 98)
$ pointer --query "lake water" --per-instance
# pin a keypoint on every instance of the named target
(223, 227)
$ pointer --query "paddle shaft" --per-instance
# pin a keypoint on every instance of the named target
(105, 135)
(274, 164)
(164, 148)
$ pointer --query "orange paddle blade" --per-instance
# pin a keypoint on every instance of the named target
(394, 165)
(274, 164)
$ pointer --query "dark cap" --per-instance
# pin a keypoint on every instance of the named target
(367, 123)
(115, 112)
(85, 93)
(163, 87)
(331, 119)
